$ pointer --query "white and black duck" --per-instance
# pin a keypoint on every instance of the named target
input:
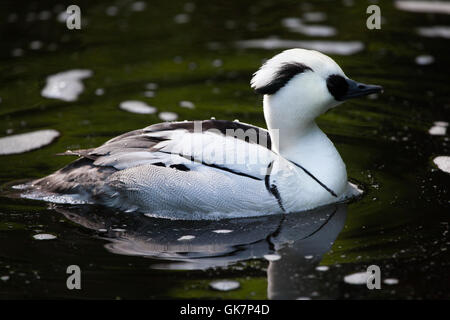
(217, 168)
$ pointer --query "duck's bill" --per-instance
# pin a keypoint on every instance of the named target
(356, 89)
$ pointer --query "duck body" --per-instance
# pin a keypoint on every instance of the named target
(224, 169)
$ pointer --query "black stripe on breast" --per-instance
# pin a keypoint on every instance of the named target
(315, 179)
(272, 188)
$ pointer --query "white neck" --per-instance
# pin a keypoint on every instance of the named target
(301, 141)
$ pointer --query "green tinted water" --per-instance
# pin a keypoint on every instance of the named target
(401, 223)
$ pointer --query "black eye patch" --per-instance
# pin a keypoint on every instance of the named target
(337, 85)
(282, 77)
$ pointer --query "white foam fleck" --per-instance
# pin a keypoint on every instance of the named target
(138, 6)
(424, 59)
(149, 94)
(35, 45)
(303, 298)
(137, 107)
(4, 278)
(296, 25)
(118, 230)
(357, 278)
(424, 6)
(439, 128)
(112, 11)
(322, 268)
(17, 52)
(24, 142)
(187, 104)
(44, 236)
(168, 116)
(181, 18)
(99, 91)
(151, 86)
(309, 257)
(223, 231)
(434, 32)
(272, 257)
(185, 238)
(390, 281)
(328, 47)
(217, 63)
(443, 163)
(66, 86)
(224, 285)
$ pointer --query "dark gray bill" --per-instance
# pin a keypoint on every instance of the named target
(356, 89)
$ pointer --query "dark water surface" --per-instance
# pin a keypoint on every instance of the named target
(169, 53)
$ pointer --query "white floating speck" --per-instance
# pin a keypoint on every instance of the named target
(357, 278)
(149, 94)
(328, 47)
(17, 52)
(138, 6)
(66, 86)
(224, 285)
(151, 86)
(44, 236)
(322, 268)
(309, 257)
(185, 238)
(424, 6)
(187, 104)
(296, 25)
(99, 91)
(35, 45)
(24, 142)
(137, 107)
(272, 257)
(112, 11)
(168, 116)
(217, 63)
(390, 281)
(118, 230)
(303, 298)
(434, 32)
(181, 18)
(222, 231)
(443, 163)
(102, 230)
(4, 278)
(439, 128)
(424, 60)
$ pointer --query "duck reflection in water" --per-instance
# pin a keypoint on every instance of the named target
(297, 241)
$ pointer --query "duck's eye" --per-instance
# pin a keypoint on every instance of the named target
(337, 85)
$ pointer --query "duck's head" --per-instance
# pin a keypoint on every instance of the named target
(301, 84)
